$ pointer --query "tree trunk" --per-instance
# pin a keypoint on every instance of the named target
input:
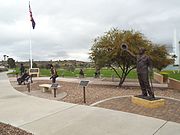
(125, 71)
(121, 81)
(97, 73)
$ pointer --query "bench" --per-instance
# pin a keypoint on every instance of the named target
(47, 87)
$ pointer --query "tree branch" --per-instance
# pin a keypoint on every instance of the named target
(115, 71)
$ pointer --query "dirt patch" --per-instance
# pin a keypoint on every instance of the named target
(6, 129)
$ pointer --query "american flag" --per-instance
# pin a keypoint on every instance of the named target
(31, 17)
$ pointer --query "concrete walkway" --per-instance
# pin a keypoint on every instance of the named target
(47, 117)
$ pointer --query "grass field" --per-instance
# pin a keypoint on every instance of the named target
(173, 74)
(89, 72)
(105, 72)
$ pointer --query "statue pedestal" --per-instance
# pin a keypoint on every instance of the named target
(148, 103)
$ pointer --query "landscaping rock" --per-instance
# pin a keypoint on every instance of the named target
(6, 129)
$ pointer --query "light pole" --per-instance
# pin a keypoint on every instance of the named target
(179, 54)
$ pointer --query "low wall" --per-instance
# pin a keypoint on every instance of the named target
(158, 78)
(174, 84)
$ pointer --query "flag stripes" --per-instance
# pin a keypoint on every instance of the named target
(31, 17)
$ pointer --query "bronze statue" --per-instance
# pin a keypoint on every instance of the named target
(81, 73)
(22, 69)
(54, 74)
(143, 63)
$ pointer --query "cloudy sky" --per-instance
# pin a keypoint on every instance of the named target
(65, 29)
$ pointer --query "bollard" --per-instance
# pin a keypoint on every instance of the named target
(28, 87)
(84, 94)
(54, 92)
(31, 79)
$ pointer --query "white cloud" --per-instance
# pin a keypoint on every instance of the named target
(65, 29)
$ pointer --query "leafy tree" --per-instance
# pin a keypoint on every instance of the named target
(57, 65)
(48, 66)
(11, 63)
(160, 57)
(70, 68)
(42, 66)
(107, 51)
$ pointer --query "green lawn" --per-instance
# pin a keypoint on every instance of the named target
(105, 72)
(89, 72)
(173, 74)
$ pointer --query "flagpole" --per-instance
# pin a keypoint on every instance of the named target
(30, 48)
(30, 36)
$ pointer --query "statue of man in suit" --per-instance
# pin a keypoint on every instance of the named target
(144, 66)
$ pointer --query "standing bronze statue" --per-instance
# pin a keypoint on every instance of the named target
(54, 74)
(22, 69)
(144, 67)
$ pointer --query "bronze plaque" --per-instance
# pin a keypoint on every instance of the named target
(84, 83)
(32, 70)
(54, 85)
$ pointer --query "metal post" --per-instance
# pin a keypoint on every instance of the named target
(54, 92)
(28, 87)
(84, 94)
(31, 78)
(179, 55)
(30, 44)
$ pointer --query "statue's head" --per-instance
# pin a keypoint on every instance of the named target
(142, 51)
(51, 66)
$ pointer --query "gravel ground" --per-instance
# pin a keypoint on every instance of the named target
(6, 129)
(94, 93)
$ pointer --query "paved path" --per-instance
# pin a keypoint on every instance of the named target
(47, 117)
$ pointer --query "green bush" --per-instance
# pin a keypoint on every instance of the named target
(165, 74)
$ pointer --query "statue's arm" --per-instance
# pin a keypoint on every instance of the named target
(131, 53)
